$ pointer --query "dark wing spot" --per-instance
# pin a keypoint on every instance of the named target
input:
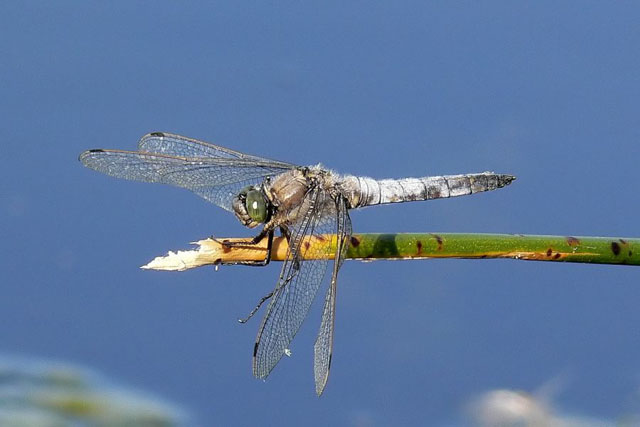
(549, 252)
(96, 150)
(307, 245)
(320, 237)
(630, 253)
(160, 134)
(255, 349)
(355, 242)
(419, 246)
(572, 241)
(557, 255)
(615, 248)
(624, 242)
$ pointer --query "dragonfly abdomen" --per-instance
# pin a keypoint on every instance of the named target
(364, 191)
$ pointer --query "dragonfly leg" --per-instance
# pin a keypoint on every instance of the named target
(252, 242)
(296, 261)
(256, 308)
(285, 232)
(296, 268)
(269, 295)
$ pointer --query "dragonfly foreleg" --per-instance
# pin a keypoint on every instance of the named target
(269, 234)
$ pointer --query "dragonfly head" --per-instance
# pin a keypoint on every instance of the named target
(251, 207)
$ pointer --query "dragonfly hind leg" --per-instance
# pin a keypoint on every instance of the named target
(257, 307)
(296, 268)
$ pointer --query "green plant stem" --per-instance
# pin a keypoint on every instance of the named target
(370, 246)
(601, 250)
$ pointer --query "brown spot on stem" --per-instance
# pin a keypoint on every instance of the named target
(355, 242)
(615, 248)
(572, 241)
(419, 246)
(439, 240)
(549, 252)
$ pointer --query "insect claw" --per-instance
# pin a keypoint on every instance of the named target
(256, 308)
(246, 319)
(218, 241)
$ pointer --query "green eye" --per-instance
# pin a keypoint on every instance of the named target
(256, 206)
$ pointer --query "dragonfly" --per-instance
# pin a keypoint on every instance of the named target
(301, 202)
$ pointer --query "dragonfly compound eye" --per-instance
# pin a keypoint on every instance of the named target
(239, 204)
(256, 206)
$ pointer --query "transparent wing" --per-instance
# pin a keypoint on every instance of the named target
(215, 173)
(323, 347)
(298, 283)
(181, 146)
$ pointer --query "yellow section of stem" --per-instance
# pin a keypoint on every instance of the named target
(214, 252)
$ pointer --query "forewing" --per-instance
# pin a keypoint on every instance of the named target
(217, 176)
(298, 283)
(323, 347)
(181, 146)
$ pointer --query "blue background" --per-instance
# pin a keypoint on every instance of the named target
(547, 91)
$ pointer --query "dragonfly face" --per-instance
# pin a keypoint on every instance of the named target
(251, 206)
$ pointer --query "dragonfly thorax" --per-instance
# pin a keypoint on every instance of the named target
(251, 207)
